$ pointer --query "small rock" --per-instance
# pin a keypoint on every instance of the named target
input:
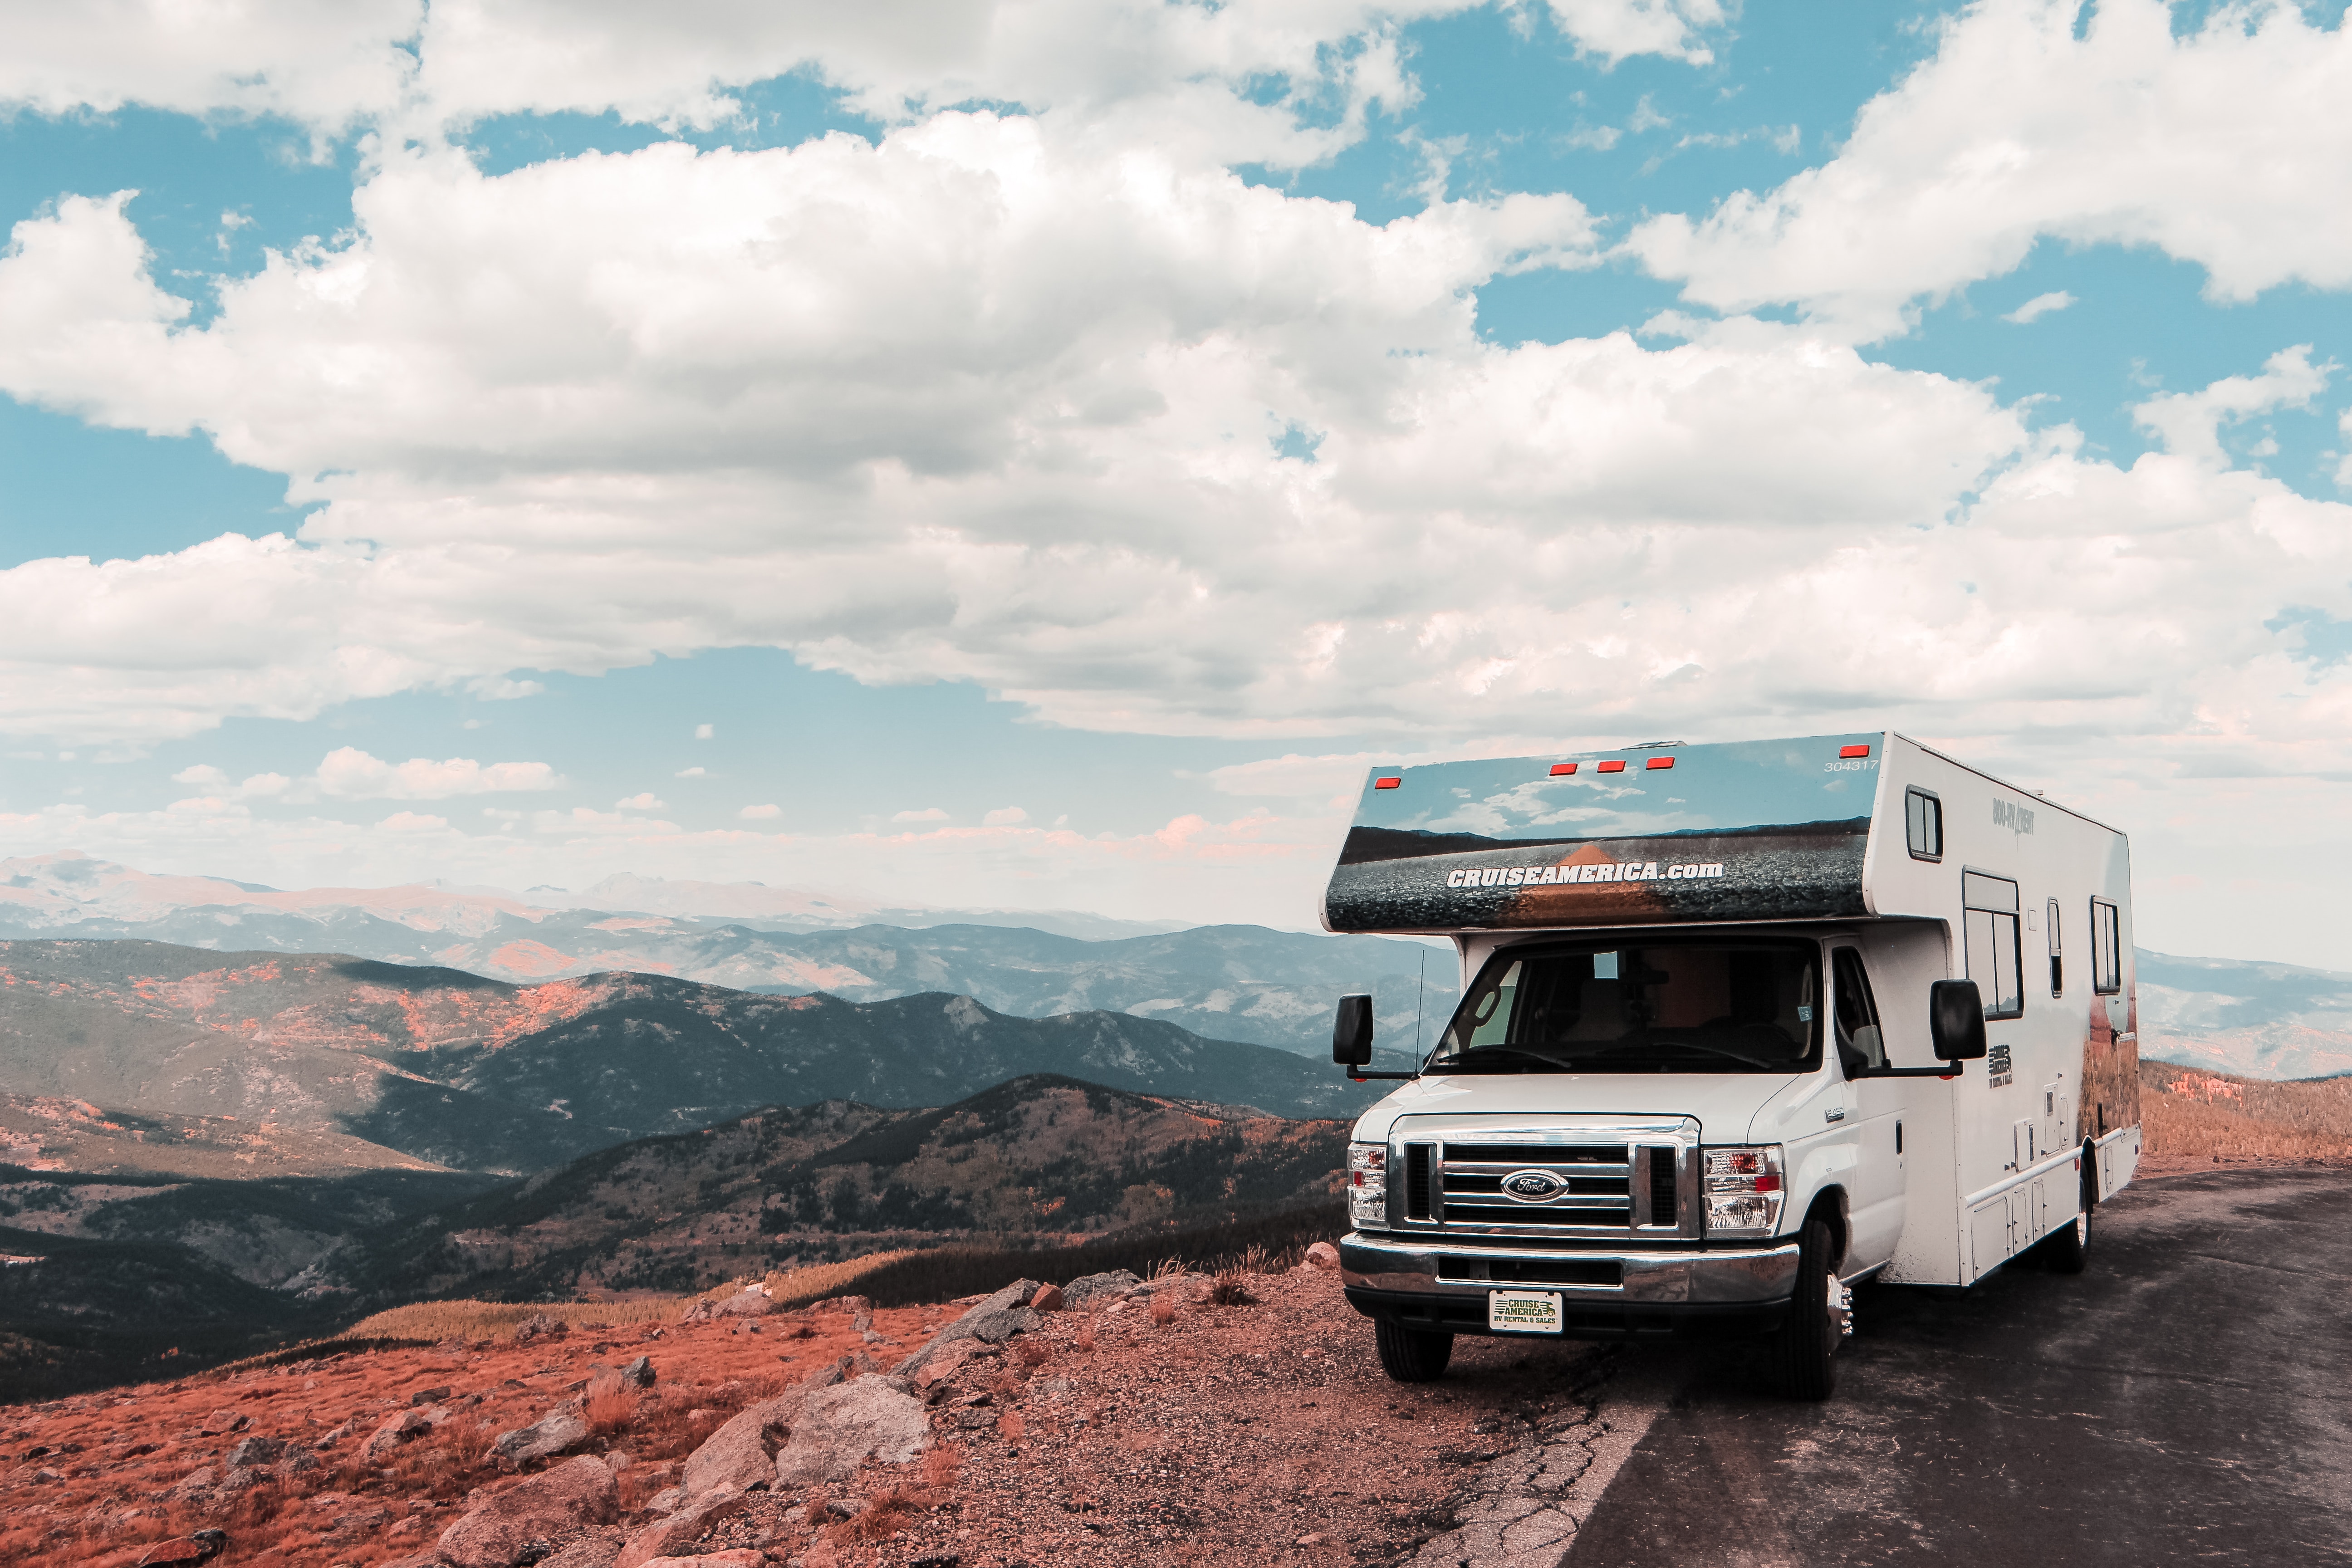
(558, 1430)
(255, 1450)
(401, 1429)
(1317, 1539)
(202, 1547)
(1048, 1300)
(638, 1373)
(751, 1303)
(555, 1502)
(429, 1395)
(540, 1326)
(667, 1501)
(224, 1421)
(731, 1557)
(1080, 1291)
(1323, 1256)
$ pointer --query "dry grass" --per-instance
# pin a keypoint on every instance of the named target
(1229, 1289)
(799, 1286)
(496, 1319)
(611, 1408)
(468, 1320)
(1163, 1307)
(2190, 1114)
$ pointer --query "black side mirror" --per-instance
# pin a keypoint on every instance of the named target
(1352, 1032)
(1955, 1020)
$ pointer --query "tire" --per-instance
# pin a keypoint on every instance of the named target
(1802, 1352)
(1412, 1356)
(2067, 1249)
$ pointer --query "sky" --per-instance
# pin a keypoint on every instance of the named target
(1036, 455)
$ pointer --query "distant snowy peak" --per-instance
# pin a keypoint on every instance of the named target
(51, 892)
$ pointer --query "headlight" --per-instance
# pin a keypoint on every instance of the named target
(1744, 1190)
(1368, 1185)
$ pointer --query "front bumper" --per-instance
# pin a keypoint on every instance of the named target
(1424, 1282)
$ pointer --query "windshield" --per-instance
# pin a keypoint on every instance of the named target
(1667, 1005)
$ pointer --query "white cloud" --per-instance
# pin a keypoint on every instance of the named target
(326, 65)
(2222, 145)
(2041, 305)
(704, 732)
(760, 813)
(690, 773)
(1200, 73)
(2189, 423)
(350, 773)
(412, 822)
(1004, 817)
(643, 802)
(1619, 29)
(928, 813)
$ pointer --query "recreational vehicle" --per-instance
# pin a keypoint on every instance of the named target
(1742, 1026)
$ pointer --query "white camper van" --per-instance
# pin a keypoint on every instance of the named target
(1740, 1025)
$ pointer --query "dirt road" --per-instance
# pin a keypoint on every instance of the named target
(2186, 1400)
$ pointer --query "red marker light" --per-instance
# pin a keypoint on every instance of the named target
(1561, 770)
(1387, 783)
(1853, 750)
(1659, 763)
(1610, 767)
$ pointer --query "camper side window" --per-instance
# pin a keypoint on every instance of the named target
(1923, 823)
(1995, 955)
(2106, 949)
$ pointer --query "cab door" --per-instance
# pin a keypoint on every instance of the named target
(1877, 1184)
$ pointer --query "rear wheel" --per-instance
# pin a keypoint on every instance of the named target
(1412, 1356)
(2067, 1249)
(1802, 1352)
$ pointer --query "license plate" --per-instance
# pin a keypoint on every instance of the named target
(1523, 1311)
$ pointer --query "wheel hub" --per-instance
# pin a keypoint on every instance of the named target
(1840, 1298)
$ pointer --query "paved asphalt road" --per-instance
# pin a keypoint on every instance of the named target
(2186, 1400)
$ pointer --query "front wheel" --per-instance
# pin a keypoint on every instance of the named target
(1802, 1351)
(1412, 1356)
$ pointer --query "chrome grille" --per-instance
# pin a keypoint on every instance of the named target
(1566, 1183)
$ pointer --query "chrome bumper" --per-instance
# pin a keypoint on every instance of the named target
(1409, 1265)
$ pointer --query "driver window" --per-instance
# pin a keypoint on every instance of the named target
(1859, 1042)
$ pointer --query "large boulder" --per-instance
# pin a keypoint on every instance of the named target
(675, 1536)
(558, 1430)
(540, 1326)
(842, 1426)
(748, 1303)
(519, 1522)
(991, 1320)
(743, 1453)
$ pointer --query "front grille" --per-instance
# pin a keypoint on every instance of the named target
(1543, 1189)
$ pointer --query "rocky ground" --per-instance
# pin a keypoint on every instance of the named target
(1148, 1423)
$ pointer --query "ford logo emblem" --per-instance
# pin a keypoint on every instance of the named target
(1533, 1187)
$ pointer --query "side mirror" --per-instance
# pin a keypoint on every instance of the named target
(1955, 1020)
(1352, 1032)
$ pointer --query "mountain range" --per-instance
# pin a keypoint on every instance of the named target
(448, 1070)
(1232, 983)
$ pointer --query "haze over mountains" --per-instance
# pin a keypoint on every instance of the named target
(1231, 982)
